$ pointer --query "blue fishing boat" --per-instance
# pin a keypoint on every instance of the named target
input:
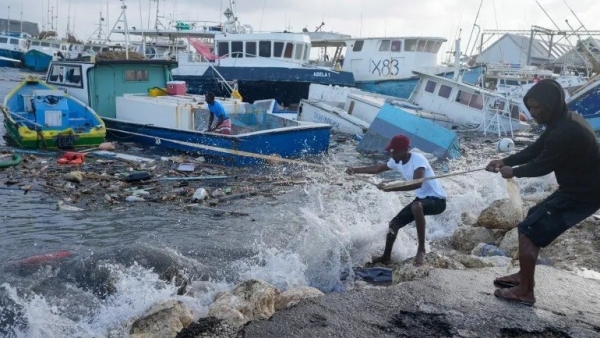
(133, 99)
(37, 115)
(586, 101)
(12, 47)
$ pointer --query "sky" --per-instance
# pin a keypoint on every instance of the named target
(359, 18)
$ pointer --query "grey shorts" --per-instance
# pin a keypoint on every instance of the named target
(551, 217)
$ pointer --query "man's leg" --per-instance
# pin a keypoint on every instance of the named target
(417, 211)
(404, 217)
(523, 292)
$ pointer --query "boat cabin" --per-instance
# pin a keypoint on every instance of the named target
(381, 59)
(99, 83)
(10, 43)
(468, 105)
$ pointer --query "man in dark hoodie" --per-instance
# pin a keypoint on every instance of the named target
(568, 147)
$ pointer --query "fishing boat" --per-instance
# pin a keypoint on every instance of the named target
(382, 65)
(139, 101)
(264, 65)
(12, 47)
(38, 115)
(586, 101)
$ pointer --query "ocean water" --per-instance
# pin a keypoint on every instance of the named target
(308, 236)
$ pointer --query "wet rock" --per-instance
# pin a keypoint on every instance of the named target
(467, 218)
(208, 327)
(471, 262)
(200, 195)
(407, 271)
(174, 275)
(501, 214)
(217, 193)
(510, 242)
(162, 320)
(250, 300)
(467, 237)
(294, 296)
(60, 205)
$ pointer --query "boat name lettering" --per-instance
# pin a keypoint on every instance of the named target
(324, 119)
(385, 67)
(321, 74)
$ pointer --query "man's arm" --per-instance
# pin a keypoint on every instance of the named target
(418, 174)
(527, 154)
(554, 152)
(374, 169)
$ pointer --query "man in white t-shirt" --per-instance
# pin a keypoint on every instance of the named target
(430, 200)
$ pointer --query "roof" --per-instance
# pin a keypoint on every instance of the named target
(540, 49)
(15, 26)
(577, 57)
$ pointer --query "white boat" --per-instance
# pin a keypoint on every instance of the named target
(381, 65)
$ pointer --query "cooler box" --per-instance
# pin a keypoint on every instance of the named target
(176, 88)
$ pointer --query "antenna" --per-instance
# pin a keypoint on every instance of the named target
(474, 25)
(122, 19)
(69, 20)
(21, 16)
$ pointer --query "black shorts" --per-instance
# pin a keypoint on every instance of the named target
(431, 206)
(554, 215)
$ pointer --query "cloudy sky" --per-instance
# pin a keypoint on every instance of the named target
(355, 17)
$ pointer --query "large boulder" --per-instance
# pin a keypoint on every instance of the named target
(406, 271)
(501, 214)
(294, 296)
(250, 300)
(209, 327)
(510, 242)
(466, 237)
(163, 320)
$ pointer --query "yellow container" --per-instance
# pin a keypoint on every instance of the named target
(154, 92)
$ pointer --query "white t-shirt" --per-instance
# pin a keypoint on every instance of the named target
(431, 188)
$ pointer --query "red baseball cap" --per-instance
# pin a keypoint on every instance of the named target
(398, 142)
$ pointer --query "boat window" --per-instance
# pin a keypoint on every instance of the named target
(384, 46)
(514, 111)
(136, 75)
(358, 45)
(421, 45)
(476, 101)
(264, 48)
(396, 45)
(445, 91)
(66, 76)
(55, 73)
(237, 49)
(250, 49)
(55, 45)
(463, 97)
(306, 52)
(298, 54)
(3, 40)
(436, 47)
(429, 46)
(223, 48)
(410, 45)
(14, 41)
(35, 43)
(512, 82)
(289, 50)
(430, 86)
(45, 44)
(277, 49)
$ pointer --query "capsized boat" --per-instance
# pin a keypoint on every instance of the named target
(38, 115)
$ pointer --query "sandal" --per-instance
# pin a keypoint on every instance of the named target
(509, 282)
(507, 295)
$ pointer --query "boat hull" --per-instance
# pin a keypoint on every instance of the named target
(28, 139)
(286, 85)
(280, 142)
(36, 60)
(9, 58)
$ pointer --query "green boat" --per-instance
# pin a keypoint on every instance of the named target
(39, 116)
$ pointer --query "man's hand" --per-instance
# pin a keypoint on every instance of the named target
(350, 171)
(507, 172)
(494, 166)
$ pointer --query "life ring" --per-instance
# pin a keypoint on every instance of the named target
(71, 158)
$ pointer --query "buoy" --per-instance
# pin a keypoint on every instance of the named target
(46, 258)
(505, 145)
(71, 158)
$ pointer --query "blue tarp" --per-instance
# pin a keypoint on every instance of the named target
(424, 134)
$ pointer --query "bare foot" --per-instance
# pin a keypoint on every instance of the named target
(382, 260)
(419, 258)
